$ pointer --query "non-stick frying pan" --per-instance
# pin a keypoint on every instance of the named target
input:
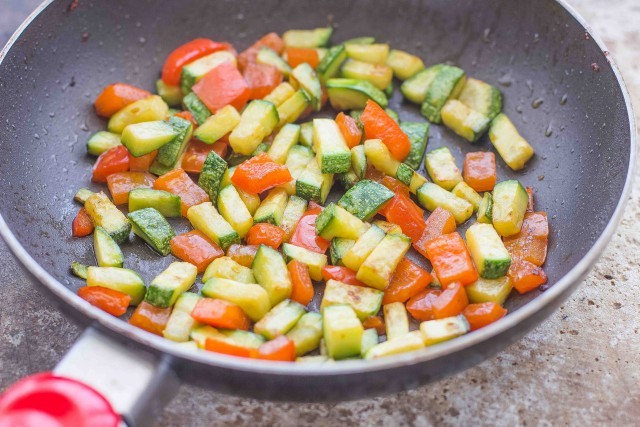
(560, 87)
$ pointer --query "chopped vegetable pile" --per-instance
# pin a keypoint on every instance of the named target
(252, 177)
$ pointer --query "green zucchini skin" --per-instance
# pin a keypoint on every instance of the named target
(108, 253)
(418, 134)
(330, 65)
(352, 94)
(169, 154)
(168, 204)
(196, 107)
(153, 228)
(211, 175)
(365, 198)
(79, 270)
(444, 86)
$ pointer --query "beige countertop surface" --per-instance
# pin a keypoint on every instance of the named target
(579, 367)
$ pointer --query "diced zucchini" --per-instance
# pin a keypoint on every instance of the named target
(437, 331)
(489, 254)
(149, 109)
(271, 273)
(153, 228)
(512, 147)
(235, 159)
(347, 179)
(251, 298)
(350, 94)
(363, 247)
(375, 53)
(380, 158)
(170, 154)
(482, 97)
(335, 221)
(233, 209)
(297, 160)
(176, 279)
(281, 93)
(464, 121)
(296, 206)
(430, 196)
(257, 121)
(292, 108)
(339, 247)
(312, 184)
(403, 64)
(317, 37)
(415, 88)
(143, 138)
(442, 168)
(388, 91)
(235, 337)
(510, 201)
(180, 322)
(272, 207)
(418, 134)
(306, 334)
(377, 270)
(286, 138)
(205, 217)
(464, 191)
(166, 203)
(226, 268)
(101, 142)
(118, 279)
(270, 57)
(332, 152)
(369, 340)
(365, 199)
(108, 253)
(79, 270)
(484, 290)
(388, 227)
(379, 75)
(485, 209)
(396, 320)
(197, 69)
(82, 195)
(218, 125)
(313, 359)
(364, 301)
(358, 161)
(315, 261)
(408, 342)
(306, 134)
(157, 169)
(196, 107)
(211, 175)
(329, 66)
(446, 85)
(105, 214)
(172, 95)
(342, 332)
(304, 77)
(279, 320)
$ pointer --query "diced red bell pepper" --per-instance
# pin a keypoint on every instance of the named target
(220, 314)
(408, 280)
(262, 79)
(82, 225)
(302, 289)
(259, 174)
(479, 170)
(265, 234)
(150, 318)
(113, 160)
(222, 86)
(526, 276)
(280, 349)
(142, 163)
(229, 349)
(242, 254)
(450, 302)
(396, 186)
(271, 40)
(121, 183)
(349, 129)
(306, 235)
(187, 53)
(109, 300)
(341, 274)
(298, 55)
(178, 182)
(195, 248)
(420, 306)
(374, 322)
(379, 125)
(197, 152)
(481, 315)
(373, 174)
(451, 260)
(531, 242)
(438, 223)
(402, 211)
(115, 97)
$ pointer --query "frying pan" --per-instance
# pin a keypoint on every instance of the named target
(560, 87)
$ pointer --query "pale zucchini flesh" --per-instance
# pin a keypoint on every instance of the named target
(166, 287)
(396, 320)
(352, 94)
(226, 268)
(257, 121)
(306, 334)
(149, 109)
(335, 221)
(206, 218)
(315, 261)
(253, 299)
(403, 344)
(362, 248)
(512, 147)
(118, 279)
(510, 200)
(489, 254)
(271, 273)
(431, 196)
(279, 320)
(442, 168)
(437, 331)
(272, 208)
(233, 209)
(364, 301)
(218, 125)
(377, 270)
(342, 332)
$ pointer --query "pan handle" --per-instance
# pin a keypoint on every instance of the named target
(138, 384)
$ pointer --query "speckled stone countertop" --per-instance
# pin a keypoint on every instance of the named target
(580, 367)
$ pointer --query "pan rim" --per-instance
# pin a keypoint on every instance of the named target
(117, 326)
